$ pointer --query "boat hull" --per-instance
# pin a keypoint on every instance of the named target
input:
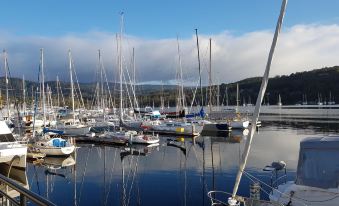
(239, 124)
(216, 127)
(55, 151)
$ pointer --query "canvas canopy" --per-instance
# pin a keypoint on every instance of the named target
(318, 164)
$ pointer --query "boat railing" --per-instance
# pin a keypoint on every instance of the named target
(278, 174)
(220, 198)
(25, 195)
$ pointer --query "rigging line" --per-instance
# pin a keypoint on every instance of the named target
(62, 94)
(133, 177)
(133, 92)
(127, 90)
(286, 195)
(84, 173)
(108, 88)
(130, 167)
(16, 104)
(76, 79)
(193, 99)
(111, 175)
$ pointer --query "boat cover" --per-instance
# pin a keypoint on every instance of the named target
(318, 164)
(59, 142)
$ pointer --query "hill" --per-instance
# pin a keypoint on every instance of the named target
(315, 84)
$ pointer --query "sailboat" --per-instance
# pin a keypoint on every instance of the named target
(72, 126)
(50, 146)
(238, 122)
(236, 200)
(129, 136)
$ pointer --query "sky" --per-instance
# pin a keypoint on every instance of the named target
(241, 33)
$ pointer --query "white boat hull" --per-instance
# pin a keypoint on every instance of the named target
(239, 124)
(55, 151)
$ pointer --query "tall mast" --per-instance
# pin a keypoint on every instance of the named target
(210, 77)
(120, 63)
(261, 94)
(237, 108)
(218, 95)
(134, 81)
(71, 77)
(101, 88)
(6, 73)
(43, 85)
(201, 94)
(226, 96)
(57, 84)
(24, 94)
(181, 96)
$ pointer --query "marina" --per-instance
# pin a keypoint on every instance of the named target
(99, 108)
(148, 175)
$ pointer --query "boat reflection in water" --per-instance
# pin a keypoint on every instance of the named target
(15, 173)
(58, 162)
(234, 136)
(129, 170)
(138, 150)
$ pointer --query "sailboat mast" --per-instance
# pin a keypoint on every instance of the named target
(24, 94)
(57, 85)
(134, 80)
(181, 96)
(210, 77)
(201, 93)
(258, 103)
(120, 63)
(43, 85)
(6, 73)
(237, 108)
(226, 96)
(71, 78)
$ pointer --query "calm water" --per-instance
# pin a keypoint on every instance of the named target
(177, 173)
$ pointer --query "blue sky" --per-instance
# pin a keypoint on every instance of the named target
(241, 30)
(158, 18)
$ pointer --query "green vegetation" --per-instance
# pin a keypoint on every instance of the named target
(292, 88)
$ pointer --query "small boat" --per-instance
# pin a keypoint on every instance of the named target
(239, 123)
(317, 175)
(116, 137)
(144, 139)
(177, 128)
(53, 147)
(130, 136)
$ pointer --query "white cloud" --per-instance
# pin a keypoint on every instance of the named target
(300, 48)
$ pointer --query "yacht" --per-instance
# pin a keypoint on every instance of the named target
(12, 152)
(53, 147)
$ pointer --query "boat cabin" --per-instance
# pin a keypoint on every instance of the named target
(318, 164)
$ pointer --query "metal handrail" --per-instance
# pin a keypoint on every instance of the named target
(25, 193)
